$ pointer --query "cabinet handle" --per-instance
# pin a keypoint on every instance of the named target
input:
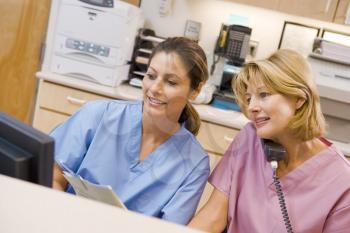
(75, 100)
(228, 139)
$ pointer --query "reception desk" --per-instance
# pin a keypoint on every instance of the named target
(30, 208)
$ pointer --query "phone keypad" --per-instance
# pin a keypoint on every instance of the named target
(234, 45)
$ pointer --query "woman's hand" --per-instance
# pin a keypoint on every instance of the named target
(59, 182)
(213, 216)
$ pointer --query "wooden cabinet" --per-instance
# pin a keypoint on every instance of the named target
(215, 138)
(22, 29)
(55, 103)
(318, 9)
(46, 120)
(269, 4)
(134, 2)
(340, 14)
(327, 10)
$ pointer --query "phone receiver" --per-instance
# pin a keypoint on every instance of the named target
(273, 151)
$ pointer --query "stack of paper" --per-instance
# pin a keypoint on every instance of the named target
(332, 50)
(84, 188)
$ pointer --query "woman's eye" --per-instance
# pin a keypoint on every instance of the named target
(172, 83)
(264, 94)
(248, 100)
(150, 76)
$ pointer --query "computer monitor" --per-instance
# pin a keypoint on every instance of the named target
(25, 152)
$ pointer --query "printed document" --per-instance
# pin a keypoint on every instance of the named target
(84, 188)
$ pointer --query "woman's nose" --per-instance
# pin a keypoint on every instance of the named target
(253, 105)
(156, 86)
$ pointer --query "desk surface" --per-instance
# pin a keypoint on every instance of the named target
(30, 208)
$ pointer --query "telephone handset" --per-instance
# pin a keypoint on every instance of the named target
(274, 152)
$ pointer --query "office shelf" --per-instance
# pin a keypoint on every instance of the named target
(145, 41)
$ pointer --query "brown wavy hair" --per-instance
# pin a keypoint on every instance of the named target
(195, 61)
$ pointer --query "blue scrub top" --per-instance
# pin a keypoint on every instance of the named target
(101, 142)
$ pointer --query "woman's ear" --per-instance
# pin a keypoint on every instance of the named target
(194, 93)
(300, 102)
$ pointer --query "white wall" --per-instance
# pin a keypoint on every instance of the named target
(267, 25)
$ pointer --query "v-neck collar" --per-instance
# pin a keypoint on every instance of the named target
(161, 150)
(134, 145)
(309, 166)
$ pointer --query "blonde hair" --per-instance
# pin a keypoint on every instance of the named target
(288, 73)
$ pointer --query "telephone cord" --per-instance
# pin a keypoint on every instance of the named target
(281, 199)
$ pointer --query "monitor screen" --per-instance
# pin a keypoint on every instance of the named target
(25, 152)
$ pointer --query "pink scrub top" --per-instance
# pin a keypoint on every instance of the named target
(317, 192)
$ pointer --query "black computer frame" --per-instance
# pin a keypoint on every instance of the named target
(26, 153)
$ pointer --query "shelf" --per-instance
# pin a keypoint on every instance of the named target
(136, 82)
(152, 38)
(148, 51)
(141, 60)
(139, 73)
(145, 41)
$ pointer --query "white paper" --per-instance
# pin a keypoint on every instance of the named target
(299, 38)
(84, 188)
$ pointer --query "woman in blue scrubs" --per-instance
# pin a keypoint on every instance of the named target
(146, 150)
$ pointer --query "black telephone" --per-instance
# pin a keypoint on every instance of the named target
(274, 152)
(232, 44)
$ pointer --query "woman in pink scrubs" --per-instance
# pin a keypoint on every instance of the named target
(280, 98)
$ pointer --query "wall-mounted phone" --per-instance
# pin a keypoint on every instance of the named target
(232, 44)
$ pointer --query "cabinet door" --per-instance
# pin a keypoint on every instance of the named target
(46, 121)
(318, 9)
(133, 2)
(340, 14)
(215, 138)
(63, 99)
(55, 103)
(22, 28)
(269, 4)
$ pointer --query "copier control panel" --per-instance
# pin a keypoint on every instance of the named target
(87, 47)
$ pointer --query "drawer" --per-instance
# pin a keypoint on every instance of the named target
(215, 138)
(63, 99)
(46, 121)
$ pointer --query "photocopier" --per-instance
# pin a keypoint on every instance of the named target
(92, 39)
(330, 64)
